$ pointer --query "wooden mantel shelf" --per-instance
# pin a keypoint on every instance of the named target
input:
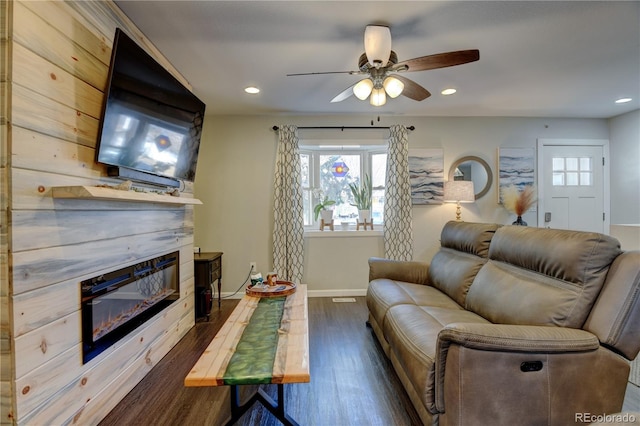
(110, 194)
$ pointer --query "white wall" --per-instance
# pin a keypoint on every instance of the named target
(624, 138)
(624, 134)
(235, 183)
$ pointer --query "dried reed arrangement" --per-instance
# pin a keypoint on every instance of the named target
(517, 201)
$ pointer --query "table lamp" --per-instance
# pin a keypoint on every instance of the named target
(458, 191)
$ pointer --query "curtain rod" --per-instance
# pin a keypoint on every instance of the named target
(344, 127)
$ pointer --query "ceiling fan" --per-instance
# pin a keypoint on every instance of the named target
(382, 68)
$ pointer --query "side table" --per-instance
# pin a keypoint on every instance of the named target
(208, 268)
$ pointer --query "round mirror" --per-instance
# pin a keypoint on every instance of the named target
(473, 169)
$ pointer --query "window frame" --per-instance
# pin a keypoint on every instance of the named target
(365, 152)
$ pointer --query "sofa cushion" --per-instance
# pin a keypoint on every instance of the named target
(541, 276)
(468, 237)
(615, 317)
(384, 293)
(412, 333)
(452, 272)
(464, 249)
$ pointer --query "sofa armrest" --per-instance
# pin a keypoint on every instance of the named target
(407, 271)
(506, 339)
(519, 338)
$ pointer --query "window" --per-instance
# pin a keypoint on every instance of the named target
(328, 171)
(572, 171)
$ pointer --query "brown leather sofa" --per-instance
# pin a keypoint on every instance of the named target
(510, 325)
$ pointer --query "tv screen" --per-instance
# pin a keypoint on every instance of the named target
(150, 121)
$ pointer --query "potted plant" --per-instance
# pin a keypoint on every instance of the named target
(362, 199)
(321, 209)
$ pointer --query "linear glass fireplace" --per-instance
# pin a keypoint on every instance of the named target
(116, 303)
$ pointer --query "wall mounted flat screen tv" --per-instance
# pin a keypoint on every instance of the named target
(151, 123)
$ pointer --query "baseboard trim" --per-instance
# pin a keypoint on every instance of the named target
(349, 292)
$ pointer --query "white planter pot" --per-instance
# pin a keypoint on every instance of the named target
(364, 215)
(326, 215)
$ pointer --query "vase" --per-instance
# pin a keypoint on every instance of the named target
(326, 215)
(364, 215)
(519, 222)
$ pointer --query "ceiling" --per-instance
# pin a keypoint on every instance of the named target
(537, 58)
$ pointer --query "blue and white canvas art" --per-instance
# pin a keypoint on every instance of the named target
(426, 176)
(516, 167)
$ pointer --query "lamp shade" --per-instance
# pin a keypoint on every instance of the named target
(378, 97)
(393, 86)
(377, 44)
(363, 88)
(460, 191)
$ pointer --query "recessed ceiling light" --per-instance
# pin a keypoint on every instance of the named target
(448, 91)
(623, 100)
(252, 90)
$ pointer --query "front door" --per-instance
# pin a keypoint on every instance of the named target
(572, 183)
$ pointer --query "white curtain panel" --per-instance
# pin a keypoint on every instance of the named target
(398, 236)
(288, 216)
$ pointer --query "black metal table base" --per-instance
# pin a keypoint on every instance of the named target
(275, 407)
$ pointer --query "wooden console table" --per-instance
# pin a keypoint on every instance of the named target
(208, 268)
(276, 351)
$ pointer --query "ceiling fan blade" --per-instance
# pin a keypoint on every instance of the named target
(412, 89)
(327, 72)
(439, 60)
(344, 94)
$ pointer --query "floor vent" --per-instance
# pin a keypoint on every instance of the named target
(343, 299)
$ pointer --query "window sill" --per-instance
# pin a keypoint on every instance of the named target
(341, 233)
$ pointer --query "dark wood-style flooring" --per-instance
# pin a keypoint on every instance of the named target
(352, 382)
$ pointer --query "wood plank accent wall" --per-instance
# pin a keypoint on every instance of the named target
(58, 57)
(6, 357)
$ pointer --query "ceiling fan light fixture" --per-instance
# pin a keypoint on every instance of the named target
(393, 87)
(380, 67)
(377, 45)
(378, 97)
(447, 92)
(363, 88)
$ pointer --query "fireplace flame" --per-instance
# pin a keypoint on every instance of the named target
(111, 323)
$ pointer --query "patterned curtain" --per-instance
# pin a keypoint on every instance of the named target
(398, 238)
(288, 227)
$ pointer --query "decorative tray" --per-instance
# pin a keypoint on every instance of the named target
(282, 288)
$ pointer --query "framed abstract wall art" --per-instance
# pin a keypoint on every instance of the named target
(426, 176)
(517, 167)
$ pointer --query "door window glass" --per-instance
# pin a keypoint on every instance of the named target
(572, 171)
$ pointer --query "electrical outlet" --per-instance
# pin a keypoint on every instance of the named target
(253, 267)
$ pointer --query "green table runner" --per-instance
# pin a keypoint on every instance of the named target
(252, 362)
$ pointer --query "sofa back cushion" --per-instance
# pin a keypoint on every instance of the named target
(542, 276)
(464, 249)
(615, 317)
